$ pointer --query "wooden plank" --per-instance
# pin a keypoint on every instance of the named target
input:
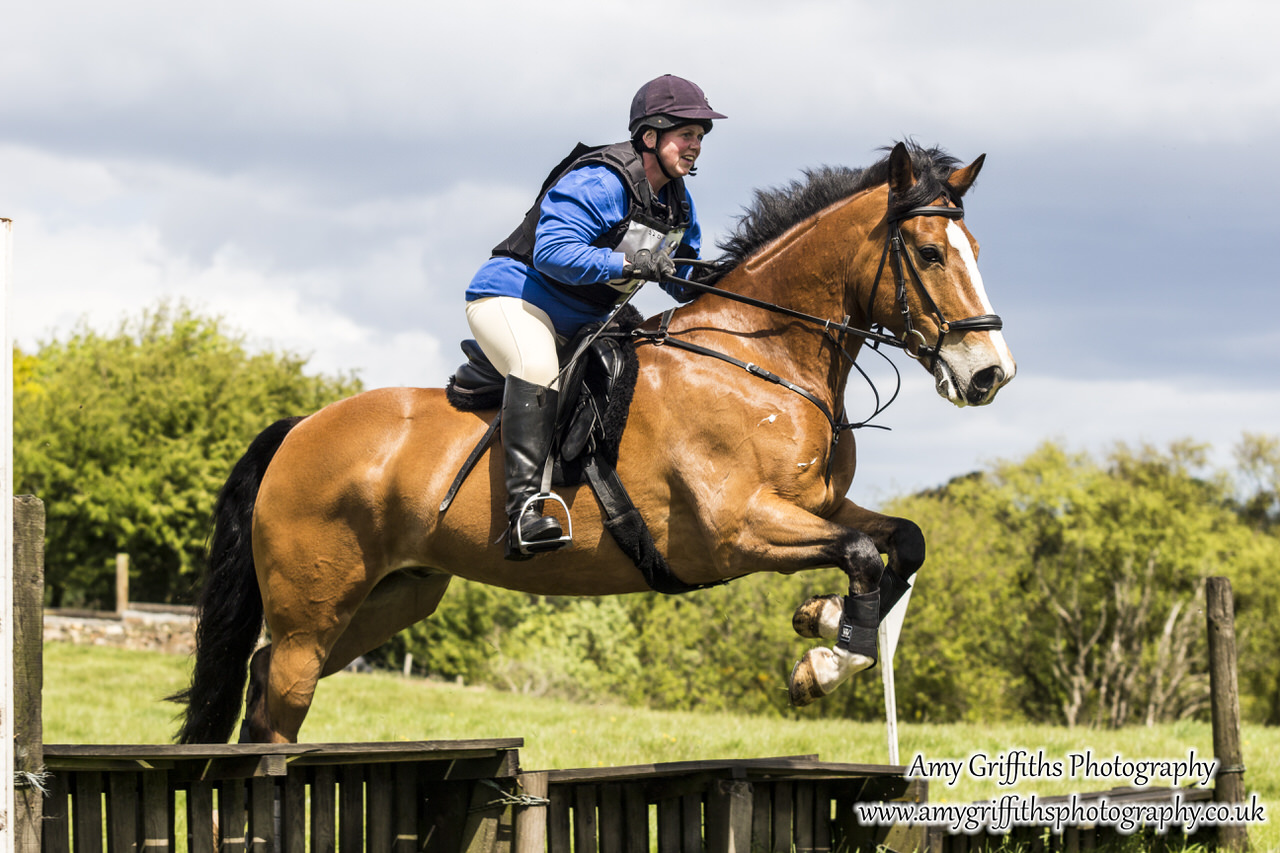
(380, 796)
(304, 754)
(802, 827)
(350, 807)
(87, 812)
(669, 826)
(157, 812)
(762, 816)
(822, 817)
(612, 819)
(637, 809)
(559, 821)
(691, 823)
(324, 810)
(55, 834)
(28, 668)
(293, 813)
(585, 822)
(231, 816)
(729, 811)
(405, 808)
(483, 820)
(531, 819)
(782, 814)
(262, 832)
(122, 812)
(200, 828)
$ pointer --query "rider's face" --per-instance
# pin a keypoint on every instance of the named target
(678, 149)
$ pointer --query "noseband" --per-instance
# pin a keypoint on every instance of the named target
(894, 249)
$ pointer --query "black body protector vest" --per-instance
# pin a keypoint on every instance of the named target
(649, 224)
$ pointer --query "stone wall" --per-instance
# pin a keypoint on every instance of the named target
(160, 632)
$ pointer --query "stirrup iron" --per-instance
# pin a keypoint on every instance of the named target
(543, 546)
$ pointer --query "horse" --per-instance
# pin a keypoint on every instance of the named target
(329, 528)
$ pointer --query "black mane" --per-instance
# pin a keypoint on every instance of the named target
(775, 210)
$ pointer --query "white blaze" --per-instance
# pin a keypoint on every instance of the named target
(956, 237)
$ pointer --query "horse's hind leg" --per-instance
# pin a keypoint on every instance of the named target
(283, 676)
(398, 601)
(256, 726)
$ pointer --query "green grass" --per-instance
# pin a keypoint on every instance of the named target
(103, 695)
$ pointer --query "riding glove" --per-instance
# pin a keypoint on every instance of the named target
(654, 266)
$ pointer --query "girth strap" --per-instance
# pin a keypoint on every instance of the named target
(625, 524)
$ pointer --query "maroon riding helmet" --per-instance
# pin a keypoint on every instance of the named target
(669, 101)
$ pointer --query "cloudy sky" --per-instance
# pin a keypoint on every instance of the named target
(328, 175)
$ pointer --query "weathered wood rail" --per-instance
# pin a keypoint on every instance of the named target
(772, 804)
(446, 796)
(248, 798)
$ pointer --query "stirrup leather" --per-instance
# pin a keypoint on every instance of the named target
(542, 546)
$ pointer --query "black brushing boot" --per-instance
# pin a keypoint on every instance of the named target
(892, 588)
(528, 425)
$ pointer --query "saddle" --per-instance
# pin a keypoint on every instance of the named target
(595, 395)
(595, 399)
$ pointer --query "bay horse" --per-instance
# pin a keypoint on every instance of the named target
(330, 525)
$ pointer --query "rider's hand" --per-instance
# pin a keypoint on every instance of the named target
(654, 266)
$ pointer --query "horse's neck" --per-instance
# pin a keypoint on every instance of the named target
(807, 269)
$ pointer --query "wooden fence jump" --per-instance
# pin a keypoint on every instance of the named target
(446, 796)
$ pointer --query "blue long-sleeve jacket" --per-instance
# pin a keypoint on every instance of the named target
(582, 206)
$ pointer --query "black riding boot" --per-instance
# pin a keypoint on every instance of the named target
(528, 424)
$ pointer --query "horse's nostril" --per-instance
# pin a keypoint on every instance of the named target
(988, 378)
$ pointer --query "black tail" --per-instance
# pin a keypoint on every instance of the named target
(229, 612)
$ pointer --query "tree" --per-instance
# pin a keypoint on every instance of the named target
(1094, 571)
(128, 437)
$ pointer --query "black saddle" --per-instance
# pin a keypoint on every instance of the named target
(595, 395)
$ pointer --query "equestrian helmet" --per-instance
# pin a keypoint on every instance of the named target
(670, 101)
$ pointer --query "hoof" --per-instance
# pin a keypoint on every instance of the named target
(819, 617)
(820, 671)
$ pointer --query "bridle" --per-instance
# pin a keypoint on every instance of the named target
(894, 249)
(894, 254)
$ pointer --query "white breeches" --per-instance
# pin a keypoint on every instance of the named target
(518, 338)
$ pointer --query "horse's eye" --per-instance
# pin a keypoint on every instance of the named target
(931, 254)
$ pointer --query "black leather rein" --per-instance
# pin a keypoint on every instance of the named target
(894, 250)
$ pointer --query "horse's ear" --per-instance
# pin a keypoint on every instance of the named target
(962, 179)
(901, 176)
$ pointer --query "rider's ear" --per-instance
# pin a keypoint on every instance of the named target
(962, 179)
(650, 138)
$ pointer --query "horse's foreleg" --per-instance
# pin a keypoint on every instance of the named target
(902, 543)
(854, 619)
(834, 617)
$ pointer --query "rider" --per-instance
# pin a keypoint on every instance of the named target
(608, 219)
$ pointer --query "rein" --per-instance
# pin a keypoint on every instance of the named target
(894, 249)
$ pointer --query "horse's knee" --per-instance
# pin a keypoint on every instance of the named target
(858, 557)
(907, 548)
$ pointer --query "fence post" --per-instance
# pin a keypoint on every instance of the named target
(28, 669)
(1224, 696)
(122, 583)
(7, 686)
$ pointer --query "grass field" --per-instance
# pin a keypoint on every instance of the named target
(102, 695)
